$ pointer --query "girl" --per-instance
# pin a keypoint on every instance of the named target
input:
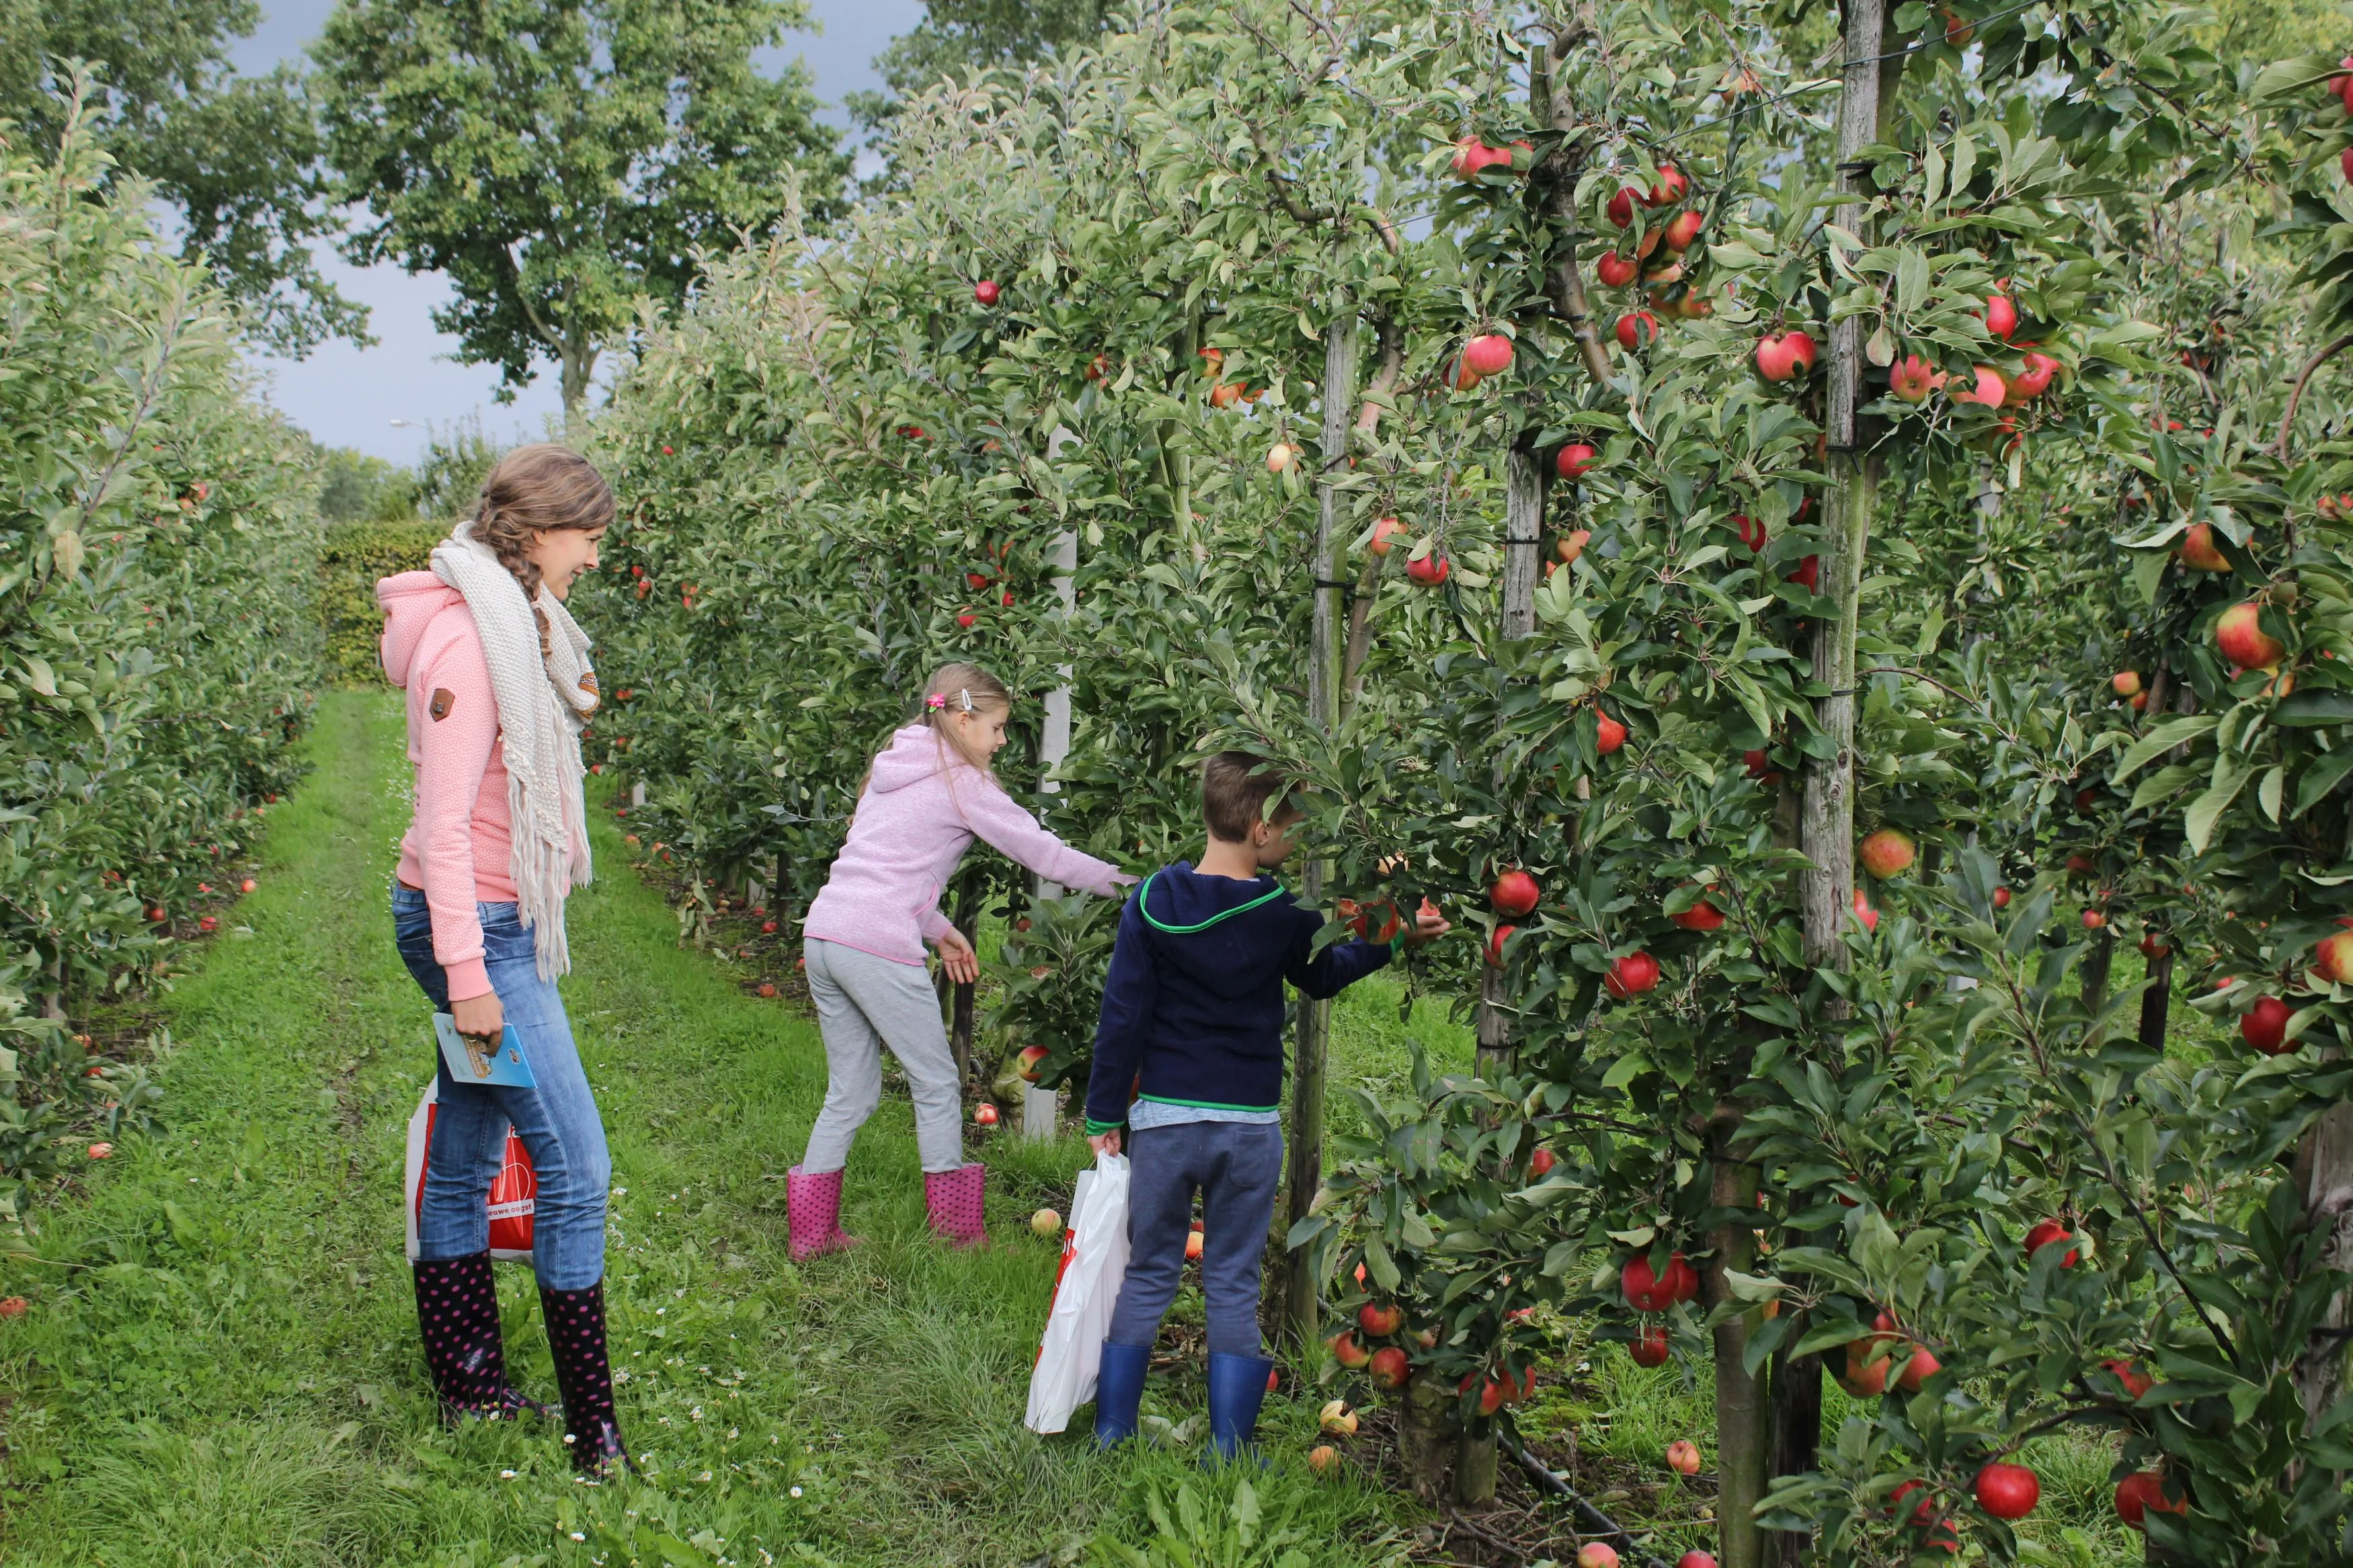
(499, 689)
(926, 797)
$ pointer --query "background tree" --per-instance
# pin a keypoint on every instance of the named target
(957, 36)
(236, 157)
(561, 160)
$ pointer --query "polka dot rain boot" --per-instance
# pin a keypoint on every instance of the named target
(954, 1199)
(575, 1337)
(813, 1209)
(458, 1315)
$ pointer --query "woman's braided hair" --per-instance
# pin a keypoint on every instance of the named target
(531, 490)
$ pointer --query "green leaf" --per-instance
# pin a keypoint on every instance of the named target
(2164, 737)
(2198, 822)
(2306, 710)
(2320, 778)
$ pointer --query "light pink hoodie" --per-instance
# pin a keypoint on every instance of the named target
(459, 848)
(921, 811)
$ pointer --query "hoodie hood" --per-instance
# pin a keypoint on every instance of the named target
(409, 601)
(1216, 930)
(913, 755)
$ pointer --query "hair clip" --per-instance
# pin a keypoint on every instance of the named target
(935, 701)
(964, 697)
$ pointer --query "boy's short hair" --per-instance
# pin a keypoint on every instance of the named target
(1233, 797)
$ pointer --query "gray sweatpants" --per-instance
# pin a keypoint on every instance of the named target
(864, 1003)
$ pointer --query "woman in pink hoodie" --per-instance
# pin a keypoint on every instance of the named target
(499, 689)
(928, 796)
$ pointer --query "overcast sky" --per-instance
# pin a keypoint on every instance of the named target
(350, 397)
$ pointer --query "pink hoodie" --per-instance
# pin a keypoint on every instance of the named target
(459, 848)
(921, 810)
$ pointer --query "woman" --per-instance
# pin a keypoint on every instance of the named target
(499, 689)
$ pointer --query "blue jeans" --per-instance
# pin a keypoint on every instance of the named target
(1236, 1166)
(556, 1118)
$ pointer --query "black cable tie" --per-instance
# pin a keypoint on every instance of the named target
(1334, 582)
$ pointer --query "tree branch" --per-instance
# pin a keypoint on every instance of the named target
(2280, 450)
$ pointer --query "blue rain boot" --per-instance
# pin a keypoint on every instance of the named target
(1119, 1389)
(1237, 1388)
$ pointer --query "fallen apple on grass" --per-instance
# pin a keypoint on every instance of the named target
(1683, 1456)
(1193, 1242)
(983, 1114)
(1596, 1555)
(14, 1307)
(1045, 1223)
(1321, 1457)
(1337, 1419)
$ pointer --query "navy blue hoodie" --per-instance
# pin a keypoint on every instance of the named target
(1194, 994)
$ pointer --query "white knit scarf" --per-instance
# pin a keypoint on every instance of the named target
(538, 733)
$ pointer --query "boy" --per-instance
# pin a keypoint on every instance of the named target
(1192, 1007)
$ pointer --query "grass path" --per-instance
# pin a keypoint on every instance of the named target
(220, 1366)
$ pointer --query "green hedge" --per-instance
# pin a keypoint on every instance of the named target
(353, 556)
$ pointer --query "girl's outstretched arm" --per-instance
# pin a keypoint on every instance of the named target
(999, 820)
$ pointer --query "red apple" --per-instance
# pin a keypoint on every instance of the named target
(1751, 531)
(1490, 353)
(2007, 1491)
(2152, 945)
(1608, 733)
(1986, 386)
(1032, 1058)
(1913, 378)
(1702, 916)
(1682, 230)
(2199, 552)
(767, 988)
(1390, 1367)
(1647, 1291)
(1636, 328)
(1621, 207)
(1616, 269)
(1808, 574)
(101, 1150)
(1864, 913)
(1922, 1366)
(2333, 958)
(1596, 1555)
(767, 928)
(1695, 1560)
(1541, 1163)
(1575, 461)
(1193, 1242)
(1683, 1456)
(1572, 544)
(2141, 1492)
(1491, 1394)
(985, 291)
(2002, 898)
(1864, 1379)
(1495, 945)
(2000, 316)
(1429, 569)
(2125, 683)
(2240, 637)
(2094, 919)
(2135, 1382)
(1471, 156)
(2044, 1234)
(983, 1114)
(1380, 1321)
(2264, 1026)
(247, 886)
(1783, 355)
(1671, 187)
(1649, 1347)
(1631, 975)
(14, 1307)
(209, 923)
(1886, 853)
(1348, 1352)
(1514, 893)
(1386, 531)
(2033, 378)
(965, 620)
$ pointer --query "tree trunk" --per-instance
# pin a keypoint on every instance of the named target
(965, 918)
(1428, 1433)
(2157, 1001)
(1475, 1466)
(2323, 1177)
(1741, 1438)
(579, 359)
(2098, 965)
(1300, 1311)
(1826, 828)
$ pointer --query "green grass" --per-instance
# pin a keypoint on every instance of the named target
(219, 1365)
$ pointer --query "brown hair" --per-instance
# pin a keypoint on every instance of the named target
(960, 688)
(1235, 788)
(534, 489)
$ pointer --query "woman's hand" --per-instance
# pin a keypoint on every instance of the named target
(1104, 1143)
(957, 957)
(481, 1016)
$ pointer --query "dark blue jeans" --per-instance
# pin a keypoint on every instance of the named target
(556, 1118)
(1236, 1166)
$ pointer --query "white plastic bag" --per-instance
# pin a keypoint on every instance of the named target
(1094, 1262)
(513, 1197)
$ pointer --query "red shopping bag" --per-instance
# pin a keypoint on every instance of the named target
(513, 1198)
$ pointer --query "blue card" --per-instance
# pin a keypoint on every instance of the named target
(469, 1062)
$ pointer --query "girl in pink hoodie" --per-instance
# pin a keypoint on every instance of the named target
(928, 796)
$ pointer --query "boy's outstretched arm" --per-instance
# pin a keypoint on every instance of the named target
(1129, 989)
(1343, 964)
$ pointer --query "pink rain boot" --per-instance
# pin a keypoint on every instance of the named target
(954, 1199)
(813, 1209)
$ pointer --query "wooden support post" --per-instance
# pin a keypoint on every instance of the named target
(1742, 1419)
(1300, 1311)
(1826, 825)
